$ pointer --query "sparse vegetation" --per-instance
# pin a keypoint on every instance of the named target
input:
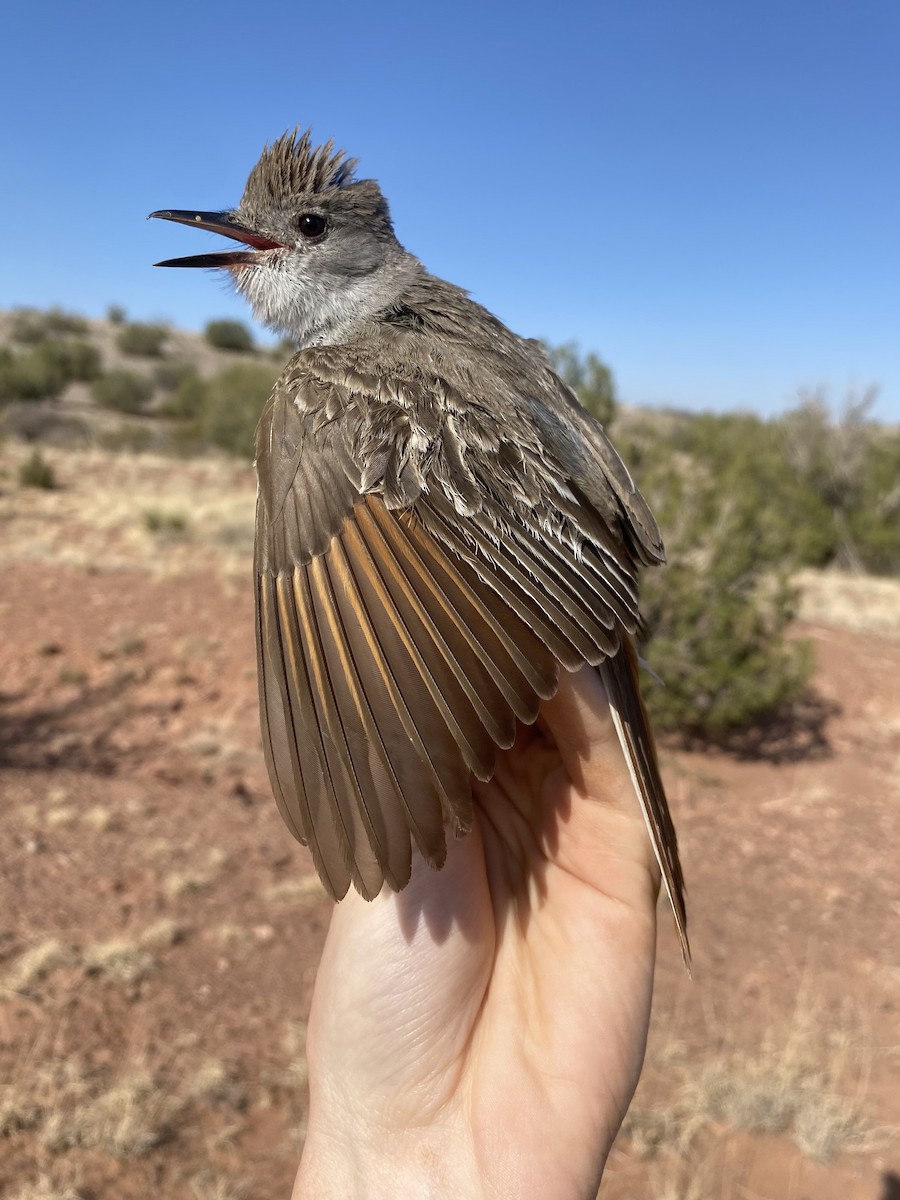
(234, 401)
(34, 325)
(170, 524)
(72, 676)
(118, 960)
(212, 1083)
(229, 335)
(852, 467)
(185, 883)
(293, 1042)
(33, 966)
(163, 933)
(293, 891)
(811, 1083)
(171, 372)
(127, 642)
(35, 374)
(142, 340)
(77, 360)
(188, 398)
(123, 391)
(116, 314)
(46, 1191)
(36, 472)
(125, 1120)
(42, 371)
(97, 817)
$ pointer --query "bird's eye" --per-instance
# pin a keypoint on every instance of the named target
(311, 225)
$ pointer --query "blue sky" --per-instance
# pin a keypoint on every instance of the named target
(705, 193)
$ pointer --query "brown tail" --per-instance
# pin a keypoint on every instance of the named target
(620, 678)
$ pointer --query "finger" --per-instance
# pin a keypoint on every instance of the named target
(579, 721)
(605, 836)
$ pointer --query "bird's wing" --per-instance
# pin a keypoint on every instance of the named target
(420, 577)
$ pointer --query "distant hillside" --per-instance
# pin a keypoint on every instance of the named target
(67, 380)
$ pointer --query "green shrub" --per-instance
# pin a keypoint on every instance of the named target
(746, 459)
(142, 340)
(60, 322)
(234, 402)
(123, 391)
(37, 472)
(189, 399)
(589, 378)
(720, 652)
(873, 523)
(28, 325)
(170, 524)
(229, 335)
(116, 314)
(716, 619)
(32, 325)
(170, 373)
(851, 466)
(78, 360)
(34, 375)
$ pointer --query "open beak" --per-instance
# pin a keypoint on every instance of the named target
(215, 222)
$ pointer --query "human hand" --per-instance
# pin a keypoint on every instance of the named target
(481, 1034)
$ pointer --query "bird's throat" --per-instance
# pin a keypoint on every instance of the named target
(314, 308)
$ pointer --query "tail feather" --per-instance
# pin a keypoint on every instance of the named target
(620, 679)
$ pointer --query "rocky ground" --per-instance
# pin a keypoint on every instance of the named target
(159, 930)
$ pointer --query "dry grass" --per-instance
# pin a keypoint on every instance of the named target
(126, 1121)
(100, 819)
(211, 1083)
(811, 1082)
(229, 933)
(709, 1179)
(189, 882)
(207, 1187)
(119, 960)
(45, 1191)
(54, 818)
(69, 1106)
(96, 517)
(860, 603)
(185, 883)
(33, 966)
(294, 891)
(293, 1042)
(163, 934)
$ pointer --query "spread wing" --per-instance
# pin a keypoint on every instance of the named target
(420, 578)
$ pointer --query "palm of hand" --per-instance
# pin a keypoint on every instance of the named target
(481, 1034)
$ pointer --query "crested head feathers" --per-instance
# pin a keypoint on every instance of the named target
(292, 166)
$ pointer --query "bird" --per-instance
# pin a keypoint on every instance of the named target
(441, 530)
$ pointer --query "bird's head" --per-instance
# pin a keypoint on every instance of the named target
(319, 249)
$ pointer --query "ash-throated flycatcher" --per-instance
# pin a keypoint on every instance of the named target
(440, 527)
